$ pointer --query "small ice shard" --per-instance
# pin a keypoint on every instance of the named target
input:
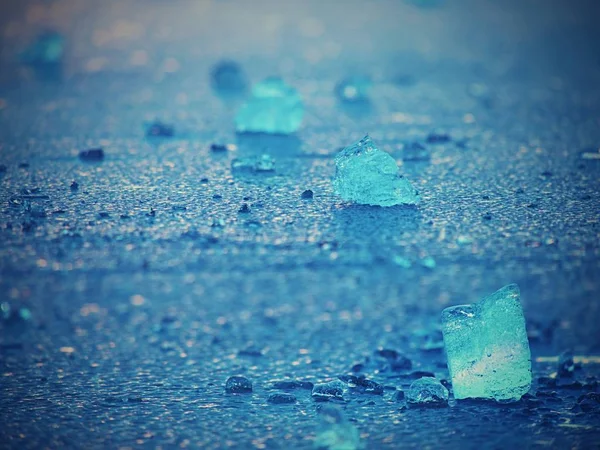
(401, 261)
(327, 391)
(427, 391)
(274, 108)
(353, 89)
(334, 432)
(255, 164)
(227, 77)
(238, 385)
(368, 176)
(428, 262)
(487, 347)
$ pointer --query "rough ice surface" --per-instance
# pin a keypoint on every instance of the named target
(368, 176)
(254, 164)
(335, 432)
(274, 107)
(487, 347)
(427, 391)
(353, 89)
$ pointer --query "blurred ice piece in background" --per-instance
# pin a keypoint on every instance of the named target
(274, 107)
(228, 79)
(334, 432)
(45, 55)
(159, 129)
(354, 89)
(254, 164)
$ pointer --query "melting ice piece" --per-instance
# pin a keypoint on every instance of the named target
(326, 391)
(334, 432)
(487, 347)
(366, 175)
(353, 89)
(427, 391)
(262, 163)
(274, 108)
(238, 385)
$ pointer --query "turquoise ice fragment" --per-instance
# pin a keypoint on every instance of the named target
(274, 107)
(487, 347)
(253, 164)
(48, 48)
(368, 176)
(427, 391)
(335, 432)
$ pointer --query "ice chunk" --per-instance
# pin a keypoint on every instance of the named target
(334, 432)
(281, 399)
(427, 391)
(238, 385)
(48, 48)
(274, 108)
(487, 347)
(366, 175)
(326, 391)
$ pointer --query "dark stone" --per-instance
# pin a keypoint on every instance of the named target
(238, 385)
(307, 194)
(93, 154)
(245, 209)
(218, 148)
(487, 216)
(281, 399)
(438, 138)
(292, 385)
(159, 129)
(589, 402)
(398, 396)
(23, 165)
(74, 185)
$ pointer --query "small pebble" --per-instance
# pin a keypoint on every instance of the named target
(159, 129)
(93, 154)
(74, 185)
(307, 194)
(280, 399)
(245, 209)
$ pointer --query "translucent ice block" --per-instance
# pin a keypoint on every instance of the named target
(366, 175)
(487, 347)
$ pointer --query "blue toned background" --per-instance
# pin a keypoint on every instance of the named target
(134, 297)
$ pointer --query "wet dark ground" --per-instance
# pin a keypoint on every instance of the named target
(148, 288)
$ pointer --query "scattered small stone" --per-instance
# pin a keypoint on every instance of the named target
(93, 154)
(398, 396)
(103, 215)
(160, 129)
(307, 194)
(438, 138)
(589, 402)
(204, 180)
(244, 209)
(393, 361)
(281, 399)
(74, 185)
(414, 152)
(427, 392)
(37, 212)
(228, 77)
(23, 165)
(328, 391)
(152, 213)
(292, 385)
(487, 216)
(221, 148)
(238, 385)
